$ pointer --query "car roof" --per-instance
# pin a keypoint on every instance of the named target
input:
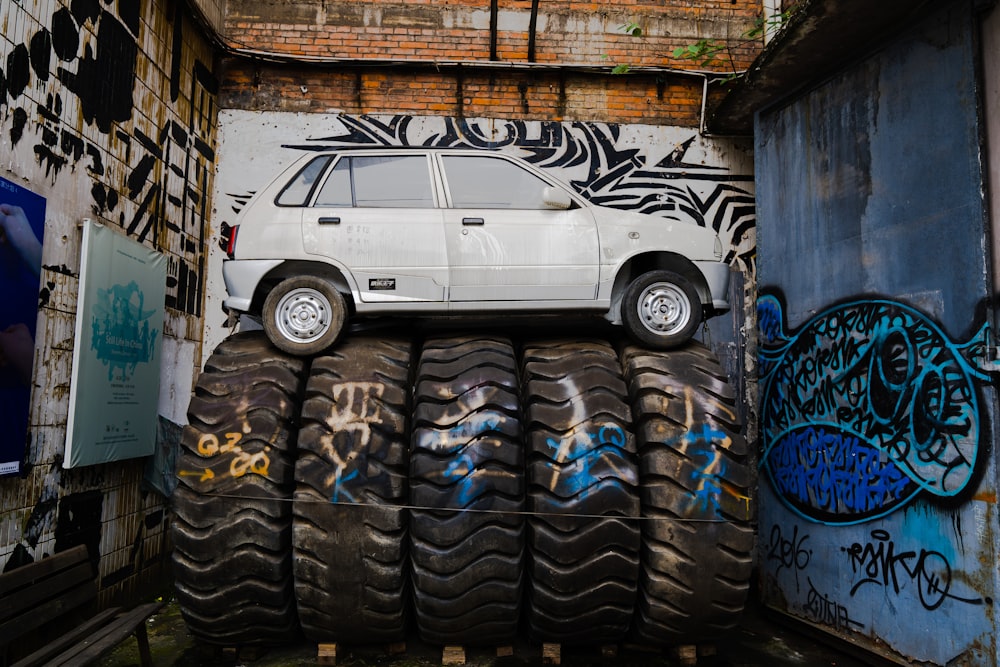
(325, 150)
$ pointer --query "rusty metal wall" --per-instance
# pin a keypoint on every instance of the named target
(877, 391)
(108, 111)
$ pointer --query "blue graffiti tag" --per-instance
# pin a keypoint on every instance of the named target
(579, 462)
(709, 469)
(865, 406)
(341, 494)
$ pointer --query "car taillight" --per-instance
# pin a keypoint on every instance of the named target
(230, 233)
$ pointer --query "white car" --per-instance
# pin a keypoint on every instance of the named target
(438, 231)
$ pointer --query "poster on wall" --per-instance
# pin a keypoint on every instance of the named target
(22, 225)
(116, 357)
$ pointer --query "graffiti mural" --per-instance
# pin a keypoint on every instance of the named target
(866, 406)
(73, 90)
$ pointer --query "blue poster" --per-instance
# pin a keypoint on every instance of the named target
(116, 357)
(22, 225)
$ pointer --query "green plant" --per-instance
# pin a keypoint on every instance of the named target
(706, 52)
(709, 52)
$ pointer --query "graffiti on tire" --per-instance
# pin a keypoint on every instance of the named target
(241, 462)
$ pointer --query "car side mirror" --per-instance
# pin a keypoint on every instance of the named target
(556, 198)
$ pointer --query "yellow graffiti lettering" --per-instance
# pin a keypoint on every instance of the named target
(242, 463)
(208, 444)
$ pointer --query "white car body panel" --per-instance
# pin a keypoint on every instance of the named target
(521, 255)
(368, 241)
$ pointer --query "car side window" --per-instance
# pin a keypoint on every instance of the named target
(379, 181)
(297, 192)
(337, 189)
(397, 181)
(492, 182)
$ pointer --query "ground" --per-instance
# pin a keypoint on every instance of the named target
(757, 642)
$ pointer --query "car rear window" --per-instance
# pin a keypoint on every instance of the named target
(386, 181)
(297, 192)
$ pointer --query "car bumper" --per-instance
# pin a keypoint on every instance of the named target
(242, 277)
(717, 276)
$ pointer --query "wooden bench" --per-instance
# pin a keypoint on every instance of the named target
(44, 595)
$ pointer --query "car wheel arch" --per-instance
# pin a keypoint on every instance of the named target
(667, 261)
(292, 269)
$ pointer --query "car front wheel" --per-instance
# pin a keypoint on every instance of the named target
(304, 315)
(661, 309)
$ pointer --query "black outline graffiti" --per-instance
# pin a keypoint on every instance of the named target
(823, 609)
(790, 552)
(880, 564)
(101, 76)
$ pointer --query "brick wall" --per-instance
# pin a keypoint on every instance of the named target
(447, 59)
(528, 95)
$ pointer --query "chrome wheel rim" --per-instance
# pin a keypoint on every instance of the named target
(303, 315)
(664, 308)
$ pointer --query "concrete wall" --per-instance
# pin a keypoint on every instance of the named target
(878, 402)
(108, 111)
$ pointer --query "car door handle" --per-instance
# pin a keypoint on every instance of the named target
(473, 221)
(329, 221)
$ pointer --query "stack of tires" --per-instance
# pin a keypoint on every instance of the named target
(470, 487)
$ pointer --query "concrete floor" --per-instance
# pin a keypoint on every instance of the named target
(758, 642)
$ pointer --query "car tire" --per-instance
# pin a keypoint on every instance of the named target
(583, 500)
(661, 309)
(349, 529)
(232, 522)
(304, 315)
(467, 492)
(696, 485)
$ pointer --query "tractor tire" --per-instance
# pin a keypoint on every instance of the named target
(696, 484)
(232, 523)
(583, 500)
(467, 489)
(349, 529)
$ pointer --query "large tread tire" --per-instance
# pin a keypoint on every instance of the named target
(583, 502)
(696, 486)
(232, 522)
(466, 459)
(349, 530)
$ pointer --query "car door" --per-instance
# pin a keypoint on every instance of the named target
(376, 215)
(505, 244)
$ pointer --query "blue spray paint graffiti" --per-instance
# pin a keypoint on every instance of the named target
(866, 406)
(579, 456)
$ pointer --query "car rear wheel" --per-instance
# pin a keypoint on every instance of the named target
(661, 309)
(304, 315)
